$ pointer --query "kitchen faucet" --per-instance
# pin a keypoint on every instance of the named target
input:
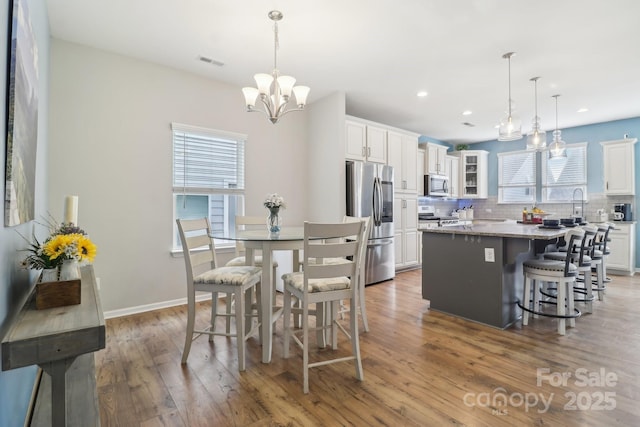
(573, 203)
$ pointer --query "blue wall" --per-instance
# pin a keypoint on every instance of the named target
(15, 283)
(593, 134)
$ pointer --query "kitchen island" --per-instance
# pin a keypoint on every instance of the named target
(475, 271)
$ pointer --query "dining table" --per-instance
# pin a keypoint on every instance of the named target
(287, 239)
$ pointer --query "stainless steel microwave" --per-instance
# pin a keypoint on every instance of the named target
(436, 185)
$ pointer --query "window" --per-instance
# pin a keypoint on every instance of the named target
(517, 177)
(562, 177)
(208, 177)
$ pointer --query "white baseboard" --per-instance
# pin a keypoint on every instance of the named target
(150, 307)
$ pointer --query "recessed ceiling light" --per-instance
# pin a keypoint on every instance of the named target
(422, 93)
(583, 110)
(467, 112)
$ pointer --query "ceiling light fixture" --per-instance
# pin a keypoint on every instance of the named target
(422, 94)
(558, 147)
(537, 138)
(274, 89)
(510, 126)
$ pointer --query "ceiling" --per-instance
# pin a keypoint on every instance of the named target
(382, 52)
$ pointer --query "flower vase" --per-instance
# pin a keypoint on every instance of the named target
(274, 220)
(49, 275)
(69, 270)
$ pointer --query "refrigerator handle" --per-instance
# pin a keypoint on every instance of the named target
(377, 202)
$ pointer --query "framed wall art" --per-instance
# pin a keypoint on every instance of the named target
(22, 117)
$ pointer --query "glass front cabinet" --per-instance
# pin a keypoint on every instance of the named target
(473, 173)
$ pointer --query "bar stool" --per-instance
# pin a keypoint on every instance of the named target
(563, 273)
(580, 257)
(597, 257)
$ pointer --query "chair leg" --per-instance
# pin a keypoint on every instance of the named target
(589, 290)
(191, 315)
(355, 340)
(535, 285)
(305, 347)
(561, 307)
(286, 322)
(321, 322)
(335, 308)
(570, 304)
(239, 312)
(526, 300)
(214, 313)
(363, 307)
(228, 309)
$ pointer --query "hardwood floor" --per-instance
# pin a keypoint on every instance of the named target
(421, 368)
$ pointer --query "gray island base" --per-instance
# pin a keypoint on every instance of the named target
(475, 272)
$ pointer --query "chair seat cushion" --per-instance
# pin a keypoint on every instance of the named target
(240, 260)
(549, 267)
(561, 256)
(296, 280)
(229, 275)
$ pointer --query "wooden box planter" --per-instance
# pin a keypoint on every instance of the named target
(57, 294)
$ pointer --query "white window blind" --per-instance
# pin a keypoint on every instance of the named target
(562, 177)
(206, 160)
(208, 177)
(517, 177)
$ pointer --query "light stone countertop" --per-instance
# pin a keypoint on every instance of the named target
(501, 229)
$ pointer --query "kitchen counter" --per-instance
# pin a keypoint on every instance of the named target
(475, 271)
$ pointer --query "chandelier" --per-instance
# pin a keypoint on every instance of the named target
(557, 149)
(510, 127)
(537, 138)
(275, 90)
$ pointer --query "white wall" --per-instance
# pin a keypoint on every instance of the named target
(110, 144)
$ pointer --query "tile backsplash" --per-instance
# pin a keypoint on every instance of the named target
(490, 209)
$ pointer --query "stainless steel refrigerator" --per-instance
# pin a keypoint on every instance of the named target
(370, 193)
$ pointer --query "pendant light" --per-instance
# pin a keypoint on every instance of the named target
(557, 148)
(537, 138)
(510, 126)
(274, 89)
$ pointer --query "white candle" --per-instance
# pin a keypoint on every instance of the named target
(71, 209)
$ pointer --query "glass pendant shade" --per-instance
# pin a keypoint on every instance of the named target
(301, 93)
(510, 126)
(286, 85)
(250, 96)
(537, 138)
(263, 81)
(558, 147)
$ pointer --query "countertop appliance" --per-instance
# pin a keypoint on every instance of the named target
(370, 193)
(436, 185)
(427, 218)
(625, 210)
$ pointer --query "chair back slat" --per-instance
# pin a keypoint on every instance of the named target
(345, 243)
(247, 223)
(197, 246)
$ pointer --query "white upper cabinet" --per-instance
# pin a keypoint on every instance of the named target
(619, 167)
(402, 154)
(473, 173)
(436, 159)
(422, 153)
(365, 142)
(453, 172)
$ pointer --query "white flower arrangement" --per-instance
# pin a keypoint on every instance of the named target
(274, 201)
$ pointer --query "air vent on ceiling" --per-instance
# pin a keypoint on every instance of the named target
(210, 61)
(468, 124)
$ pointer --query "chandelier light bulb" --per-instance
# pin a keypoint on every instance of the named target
(557, 149)
(537, 138)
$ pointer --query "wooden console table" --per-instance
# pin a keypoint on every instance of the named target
(53, 339)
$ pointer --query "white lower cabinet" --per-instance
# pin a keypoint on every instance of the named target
(623, 249)
(405, 211)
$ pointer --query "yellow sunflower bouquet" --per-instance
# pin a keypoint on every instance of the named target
(66, 242)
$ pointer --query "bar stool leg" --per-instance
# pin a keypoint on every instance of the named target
(561, 308)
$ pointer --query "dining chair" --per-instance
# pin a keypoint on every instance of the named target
(362, 309)
(324, 283)
(563, 274)
(203, 275)
(247, 223)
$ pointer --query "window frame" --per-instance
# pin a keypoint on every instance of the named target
(580, 183)
(531, 186)
(225, 190)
